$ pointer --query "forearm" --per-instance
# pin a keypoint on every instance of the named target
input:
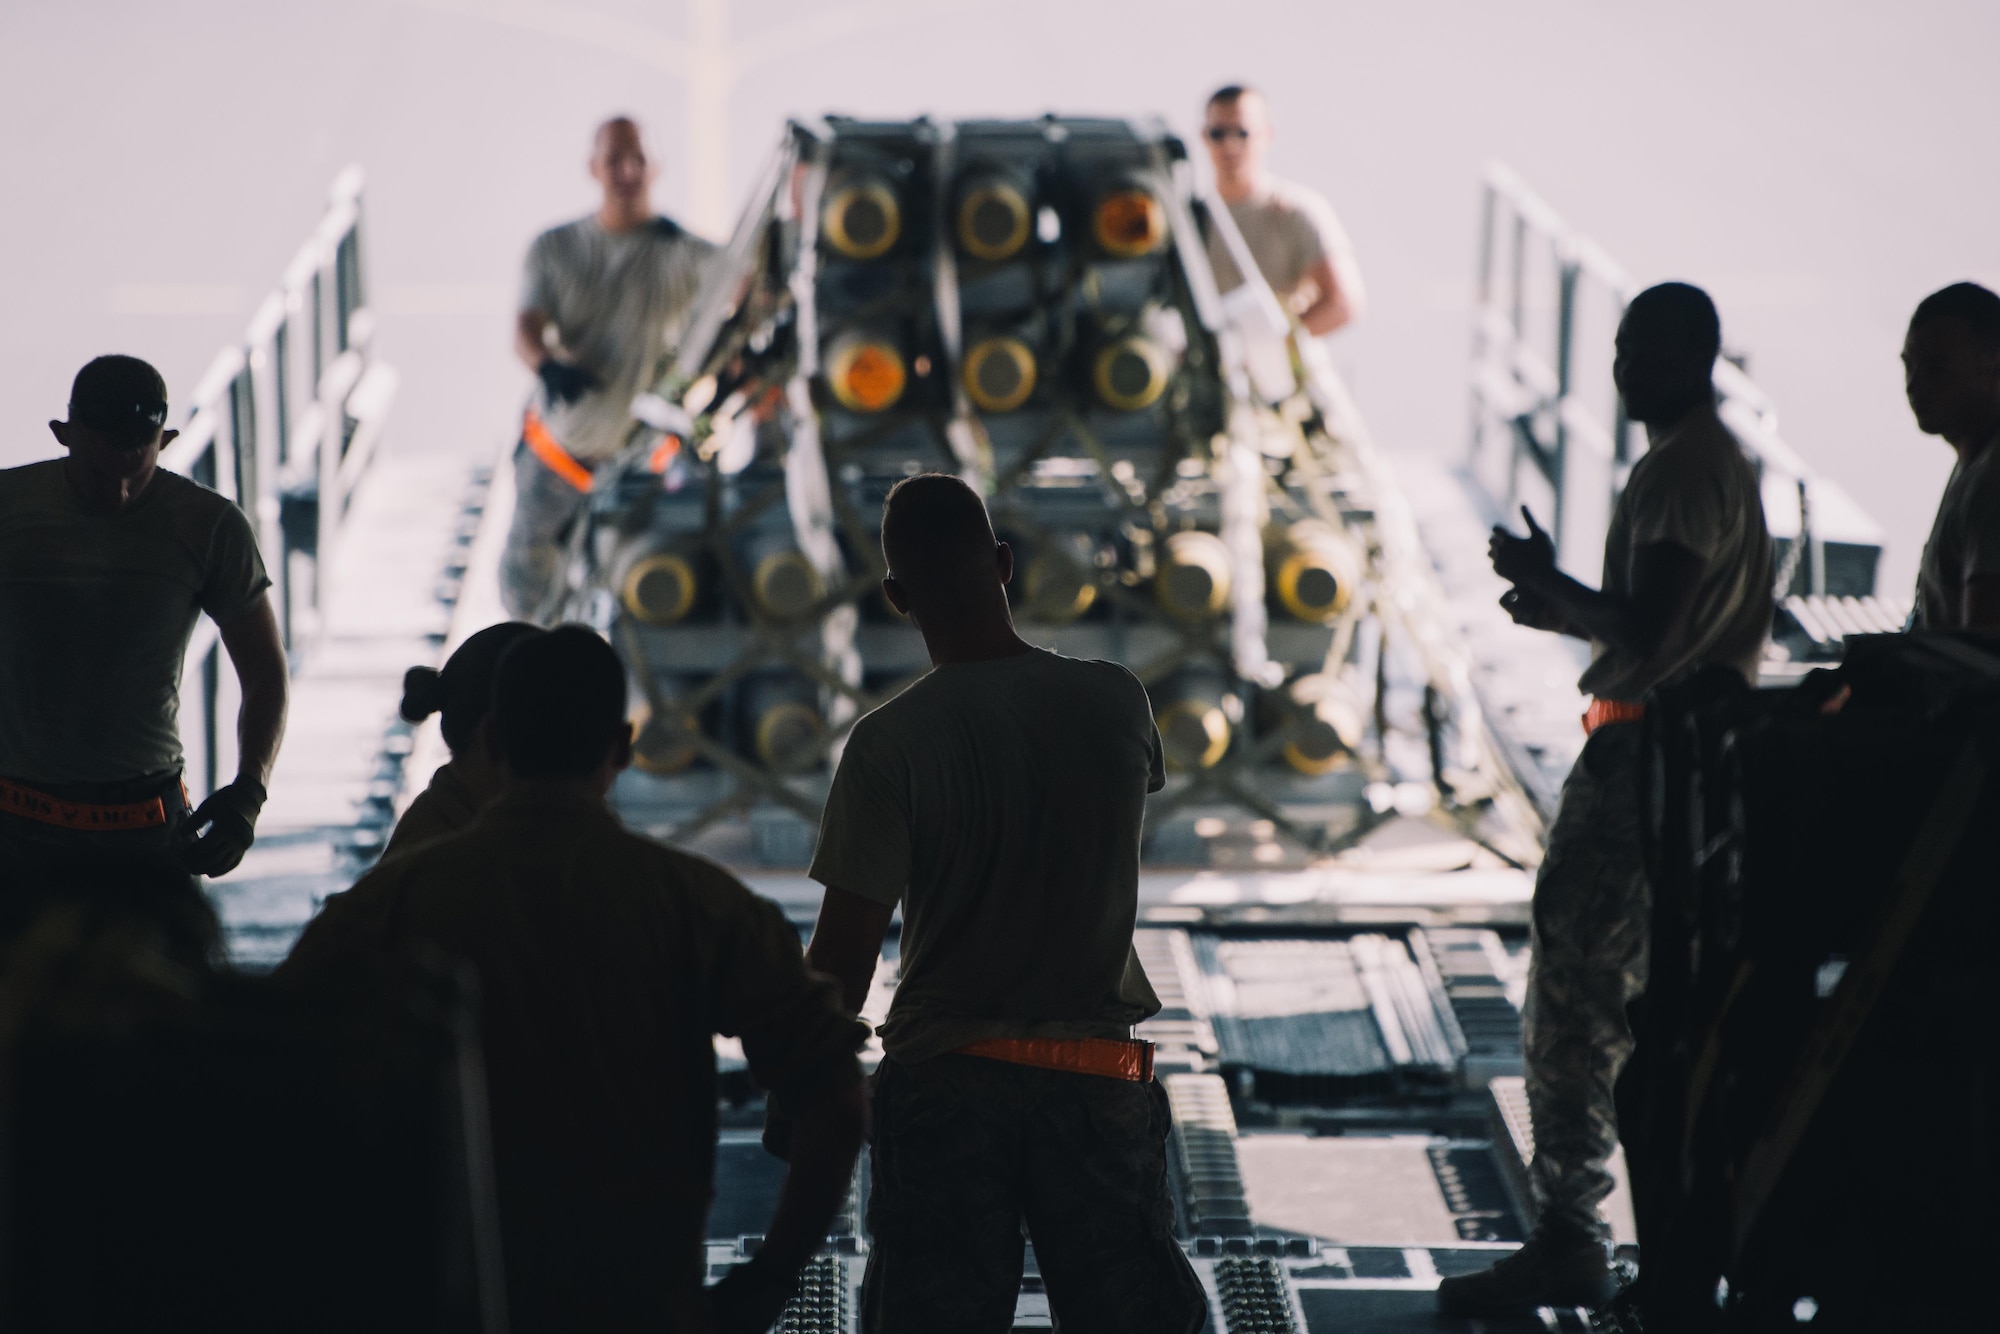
(1337, 300)
(1326, 314)
(256, 650)
(846, 942)
(825, 1141)
(854, 972)
(1586, 613)
(260, 726)
(529, 333)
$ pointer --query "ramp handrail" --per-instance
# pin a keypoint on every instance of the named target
(284, 424)
(1546, 413)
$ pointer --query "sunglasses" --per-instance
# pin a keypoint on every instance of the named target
(1218, 133)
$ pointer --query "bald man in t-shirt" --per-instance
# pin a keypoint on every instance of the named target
(1292, 232)
(999, 801)
(604, 301)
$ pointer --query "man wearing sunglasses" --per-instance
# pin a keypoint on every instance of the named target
(1292, 232)
(106, 562)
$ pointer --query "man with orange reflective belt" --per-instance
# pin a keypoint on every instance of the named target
(603, 304)
(999, 800)
(106, 563)
(1687, 584)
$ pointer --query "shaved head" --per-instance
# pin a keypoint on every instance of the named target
(619, 164)
(616, 132)
(936, 534)
(1665, 352)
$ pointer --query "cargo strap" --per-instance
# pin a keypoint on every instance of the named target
(1112, 1058)
(1602, 711)
(32, 804)
(550, 451)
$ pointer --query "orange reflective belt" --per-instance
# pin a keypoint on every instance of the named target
(553, 456)
(1113, 1058)
(30, 804)
(1602, 711)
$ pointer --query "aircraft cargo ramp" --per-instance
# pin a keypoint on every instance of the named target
(1339, 939)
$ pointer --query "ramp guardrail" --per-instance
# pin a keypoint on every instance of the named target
(1548, 429)
(284, 424)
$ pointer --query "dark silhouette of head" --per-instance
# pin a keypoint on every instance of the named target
(115, 431)
(121, 397)
(462, 691)
(944, 563)
(1667, 345)
(939, 545)
(1951, 364)
(559, 706)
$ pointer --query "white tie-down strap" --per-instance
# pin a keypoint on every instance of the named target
(809, 497)
(1245, 511)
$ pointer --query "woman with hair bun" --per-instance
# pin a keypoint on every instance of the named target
(463, 693)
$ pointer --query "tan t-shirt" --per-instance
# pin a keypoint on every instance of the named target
(1288, 229)
(620, 304)
(95, 615)
(1001, 802)
(1695, 489)
(1964, 541)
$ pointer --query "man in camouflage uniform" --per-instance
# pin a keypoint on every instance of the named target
(1687, 584)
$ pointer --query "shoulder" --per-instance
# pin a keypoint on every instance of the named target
(27, 484)
(1982, 474)
(1113, 682)
(892, 718)
(196, 510)
(714, 889)
(563, 239)
(189, 496)
(675, 239)
(1296, 198)
(1303, 202)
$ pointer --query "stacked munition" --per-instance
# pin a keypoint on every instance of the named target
(1027, 304)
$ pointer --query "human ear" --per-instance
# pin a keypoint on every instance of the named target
(1003, 558)
(60, 430)
(897, 597)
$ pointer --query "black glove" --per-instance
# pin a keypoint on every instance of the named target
(565, 381)
(222, 828)
(749, 1299)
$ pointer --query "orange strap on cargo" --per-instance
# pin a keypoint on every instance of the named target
(1112, 1058)
(553, 456)
(30, 804)
(1602, 711)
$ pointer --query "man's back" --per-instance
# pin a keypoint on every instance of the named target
(1002, 800)
(606, 962)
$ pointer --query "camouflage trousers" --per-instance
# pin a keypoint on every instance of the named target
(1592, 919)
(546, 508)
(968, 1152)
